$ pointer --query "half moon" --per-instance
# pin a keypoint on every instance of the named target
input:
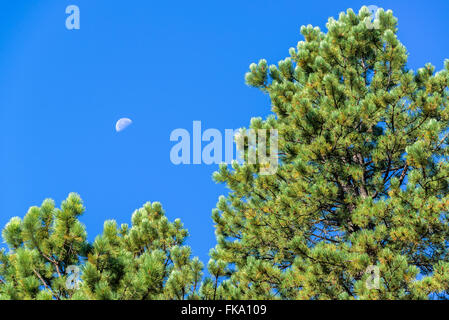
(122, 124)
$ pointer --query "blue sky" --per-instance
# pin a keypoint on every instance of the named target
(163, 64)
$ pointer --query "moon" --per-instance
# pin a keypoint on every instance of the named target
(122, 124)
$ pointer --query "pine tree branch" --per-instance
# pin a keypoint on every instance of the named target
(45, 284)
(441, 142)
(403, 174)
(215, 286)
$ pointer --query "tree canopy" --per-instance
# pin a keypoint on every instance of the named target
(362, 180)
(145, 261)
(362, 184)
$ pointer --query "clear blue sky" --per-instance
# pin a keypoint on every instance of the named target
(163, 64)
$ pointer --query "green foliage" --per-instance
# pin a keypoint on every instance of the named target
(362, 181)
(42, 246)
(144, 261)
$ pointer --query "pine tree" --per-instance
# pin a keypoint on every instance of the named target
(145, 261)
(362, 184)
(41, 247)
(362, 180)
